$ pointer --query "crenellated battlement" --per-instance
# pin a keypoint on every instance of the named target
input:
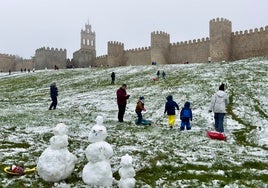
(116, 43)
(195, 42)
(220, 20)
(101, 57)
(115, 48)
(51, 51)
(160, 43)
(6, 56)
(142, 49)
(220, 33)
(160, 33)
(250, 31)
(46, 57)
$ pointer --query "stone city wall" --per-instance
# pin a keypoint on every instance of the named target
(49, 57)
(222, 45)
(7, 62)
(249, 43)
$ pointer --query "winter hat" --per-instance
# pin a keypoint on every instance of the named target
(187, 104)
(141, 98)
(169, 98)
(221, 87)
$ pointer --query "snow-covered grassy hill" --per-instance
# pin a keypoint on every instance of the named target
(162, 157)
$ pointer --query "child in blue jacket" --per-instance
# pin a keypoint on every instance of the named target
(186, 116)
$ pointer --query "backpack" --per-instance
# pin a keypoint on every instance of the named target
(186, 113)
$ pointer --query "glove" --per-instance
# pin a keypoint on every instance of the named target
(127, 96)
(210, 111)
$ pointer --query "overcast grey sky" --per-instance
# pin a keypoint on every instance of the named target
(27, 25)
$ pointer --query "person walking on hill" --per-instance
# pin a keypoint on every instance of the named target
(53, 95)
(218, 105)
(170, 108)
(186, 116)
(163, 75)
(139, 108)
(113, 77)
(158, 74)
(122, 97)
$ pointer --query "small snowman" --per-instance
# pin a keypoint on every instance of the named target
(56, 162)
(98, 172)
(127, 173)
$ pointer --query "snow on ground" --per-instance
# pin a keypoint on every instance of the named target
(183, 158)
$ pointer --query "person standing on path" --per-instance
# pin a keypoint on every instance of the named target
(53, 95)
(218, 105)
(122, 97)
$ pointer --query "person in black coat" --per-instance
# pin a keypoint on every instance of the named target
(53, 95)
(170, 109)
(113, 77)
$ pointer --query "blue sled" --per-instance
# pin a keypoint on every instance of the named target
(143, 122)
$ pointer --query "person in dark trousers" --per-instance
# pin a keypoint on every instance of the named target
(113, 77)
(122, 97)
(158, 74)
(139, 108)
(53, 95)
(163, 74)
(170, 109)
(186, 116)
(218, 105)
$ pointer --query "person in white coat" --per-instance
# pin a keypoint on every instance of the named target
(218, 105)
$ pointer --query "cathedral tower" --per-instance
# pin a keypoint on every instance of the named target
(87, 53)
(88, 38)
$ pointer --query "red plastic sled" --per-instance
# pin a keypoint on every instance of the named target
(216, 135)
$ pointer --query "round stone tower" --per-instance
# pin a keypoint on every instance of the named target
(160, 42)
(220, 31)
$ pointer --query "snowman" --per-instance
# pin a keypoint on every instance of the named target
(56, 162)
(126, 172)
(97, 172)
